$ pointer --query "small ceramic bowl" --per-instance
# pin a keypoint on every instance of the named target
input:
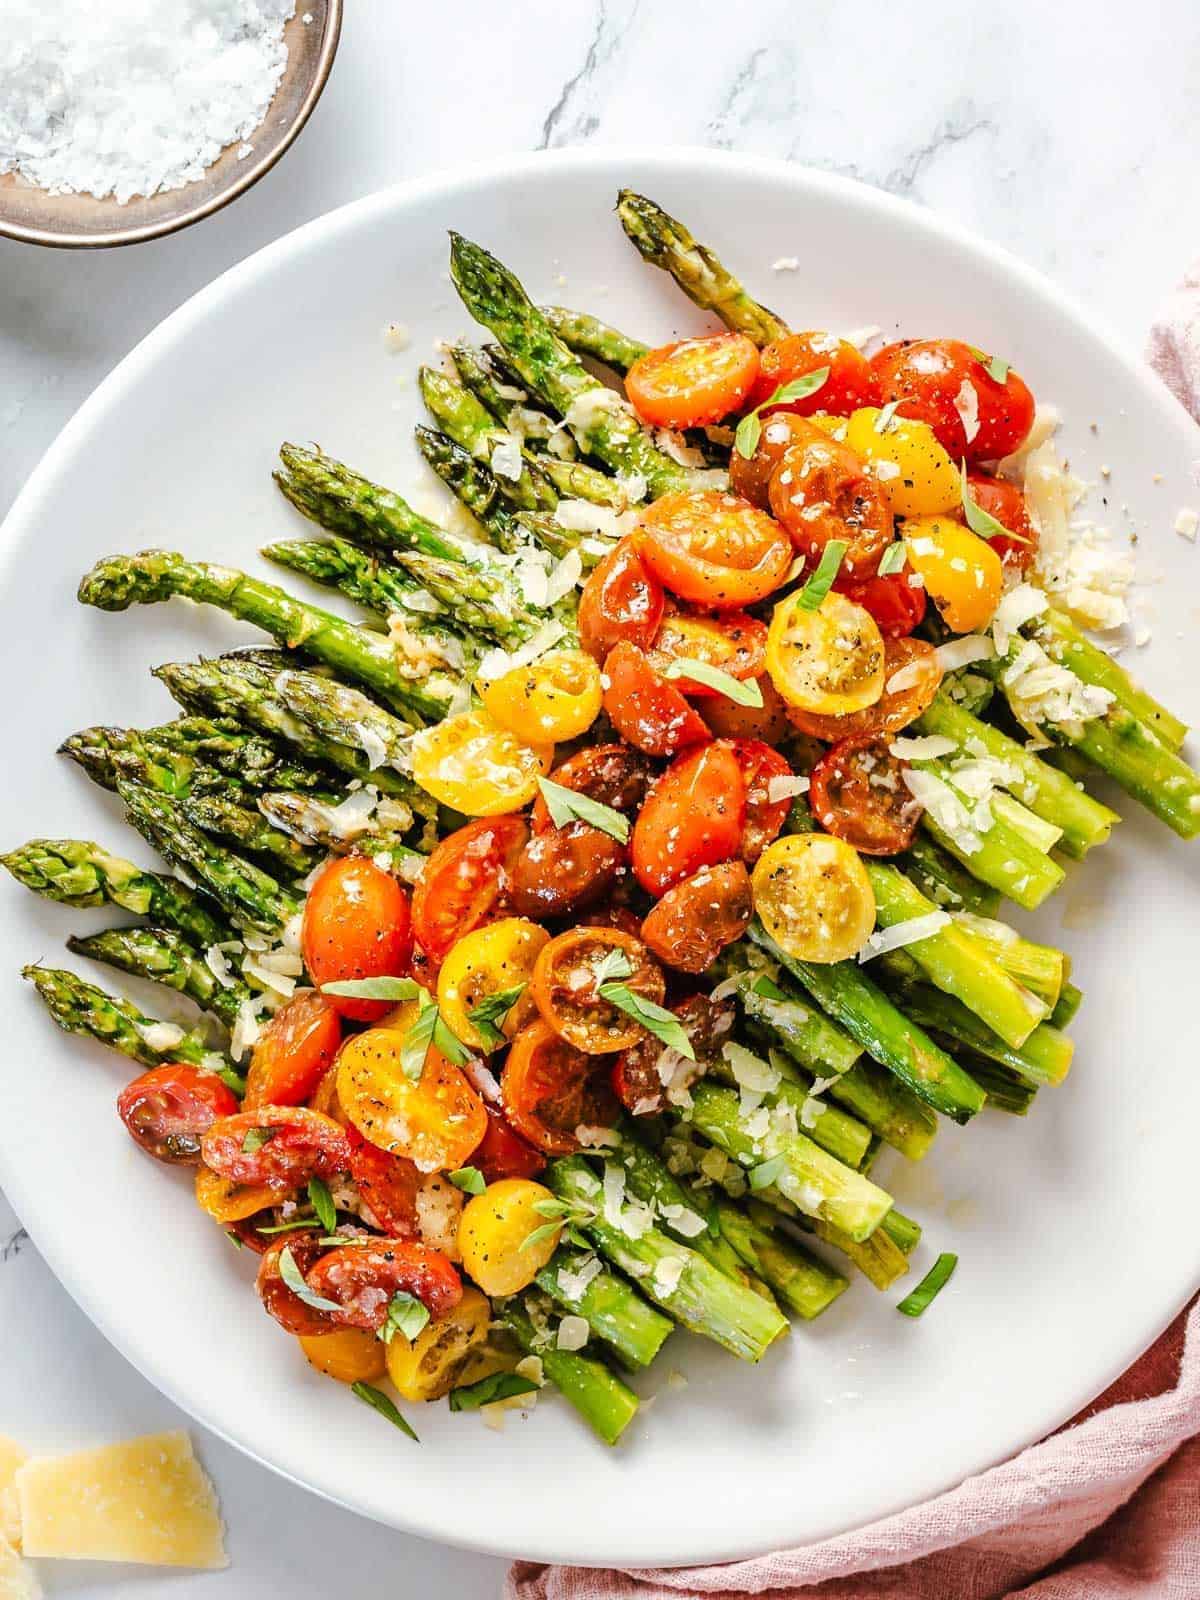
(80, 221)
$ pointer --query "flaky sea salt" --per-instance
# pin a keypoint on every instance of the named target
(131, 97)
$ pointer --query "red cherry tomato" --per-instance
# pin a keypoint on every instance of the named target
(279, 1301)
(821, 491)
(713, 548)
(645, 709)
(278, 1146)
(362, 1278)
(692, 818)
(612, 773)
(896, 604)
(169, 1109)
(1006, 503)
(850, 383)
(694, 921)
(732, 642)
(550, 1088)
(357, 924)
(621, 600)
(858, 794)
(387, 1183)
(502, 1153)
(565, 869)
(707, 1023)
(946, 383)
(765, 817)
(693, 382)
(293, 1053)
(466, 882)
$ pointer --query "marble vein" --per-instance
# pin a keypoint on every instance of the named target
(560, 126)
(13, 1245)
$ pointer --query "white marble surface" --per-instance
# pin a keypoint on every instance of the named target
(1065, 132)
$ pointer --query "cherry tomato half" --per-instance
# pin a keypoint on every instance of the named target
(293, 1053)
(713, 548)
(858, 794)
(693, 382)
(896, 604)
(850, 383)
(1006, 503)
(613, 774)
(732, 642)
(567, 980)
(435, 1120)
(635, 1077)
(357, 924)
(283, 1303)
(694, 921)
(169, 1109)
(946, 383)
(466, 882)
(279, 1146)
(549, 1089)
(764, 817)
(750, 476)
(502, 1153)
(692, 818)
(962, 573)
(362, 1278)
(565, 869)
(813, 896)
(911, 677)
(645, 708)
(821, 491)
(387, 1183)
(621, 600)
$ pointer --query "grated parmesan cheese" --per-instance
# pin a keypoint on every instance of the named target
(957, 653)
(496, 662)
(572, 1333)
(784, 788)
(903, 933)
(926, 748)
(966, 403)
(1187, 522)
(505, 458)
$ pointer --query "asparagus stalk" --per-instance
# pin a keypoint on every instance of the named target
(998, 856)
(686, 1286)
(476, 373)
(844, 1137)
(317, 823)
(606, 1404)
(1068, 1004)
(1133, 756)
(1038, 967)
(666, 243)
(1062, 640)
(612, 1308)
(222, 818)
(78, 873)
(471, 480)
(343, 502)
(803, 1282)
(586, 335)
(193, 755)
(944, 881)
(166, 957)
(1006, 1091)
(472, 426)
(880, 1259)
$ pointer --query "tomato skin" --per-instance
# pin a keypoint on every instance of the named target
(850, 383)
(1006, 503)
(647, 710)
(549, 1089)
(466, 882)
(566, 991)
(555, 698)
(613, 774)
(363, 1278)
(694, 921)
(858, 795)
(565, 869)
(279, 1301)
(294, 1052)
(733, 642)
(928, 375)
(963, 575)
(693, 382)
(435, 1121)
(768, 722)
(692, 818)
(303, 1144)
(387, 1183)
(169, 1109)
(750, 476)
(897, 605)
(713, 548)
(821, 491)
(765, 817)
(357, 924)
(829, 659)
(471, 764)
(635, 1079)
(813, 896)
(502, 1153)
(894, 709)
(621, 600)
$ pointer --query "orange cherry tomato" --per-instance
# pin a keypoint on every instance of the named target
(708, 1025)
(897, 605)
(694, 921)
(294, 1052)
(387, 1183)
(713, 548)
(550, 1089)
(621, 600)
(283, 1303)
(850, 383)
(569, 975)
(820, 491)
(910, 665)
(768, 722)
(750, 476)
(169, 1109)
(466, 882)
(362, 1278)
(613, 774)
(435, 1120)
(946, 383)
(858, 794)
(732, 642)
(357, 924)
(692, 818)
(1006, 503)
(693, 382)
(645, 708)
(279, 1146)
(765, 817)
(502, 1153)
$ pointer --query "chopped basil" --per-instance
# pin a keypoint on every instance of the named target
(286, 1227)
(469, 1179)
(321, 1201)
(894, 558)
(379, 1401)
(568, 805)
(294, 1278)
(239, 1244)
(374, 988)
(749, 429)
(491, 1011)
(767, 1172)
(546, 1231)
(655, 1019)
(428, 1028)
(551, 1207)
(819, 585)
(767, 988)
(616, 964)
(497, 1386)
(742, 692)
(887, 415)
(405, 1314)
(255, 1139)
(980, 521)
(996, 369)
(930, 1286)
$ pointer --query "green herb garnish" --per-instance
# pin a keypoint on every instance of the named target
(980, 521)
(887, 415)
(491, 1011)
(743, 692)
(749, 429)
(374, 988)
(568, 805)
(255, 1139)
(294, 1278)
(818, 586)
(378, 1401)
(767, 1172)
(656, 1019)
(930, 1286)
(405, 1314)
(498, 1386)
(469, 1179)
(321, 1201)
(894, 558)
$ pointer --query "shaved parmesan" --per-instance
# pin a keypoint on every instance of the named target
(926, 748)
(483, 1079)
(496, 662)
(903, 933)
(585, 516)
(246, 1031)
(12, 1455)
(564, 578)
(1187, 522)
(784, 788)
(160, 1036)
(966, 403)
(596, 1138)
(962, 652)
(786, 264)
(684, 1220)
(505, 457)
(572, 1333)
(944, 807)
(1019, 606)
(1042, 691)
(667, 1272)
(597, 408)
(371, 744)
(573, 1281)
(749, 1071)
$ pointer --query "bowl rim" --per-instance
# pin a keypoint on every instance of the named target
(245, 179)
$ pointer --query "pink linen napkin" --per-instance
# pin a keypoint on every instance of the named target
(1107, 1508)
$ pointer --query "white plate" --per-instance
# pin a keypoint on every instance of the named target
(1076, 1227)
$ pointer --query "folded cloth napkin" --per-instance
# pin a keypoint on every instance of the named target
(1107, 1508)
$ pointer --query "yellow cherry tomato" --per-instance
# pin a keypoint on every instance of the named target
(963, 575)
(493, 1232)
(475, 766)
(912, 468)
(226, 1201)
(828, 660)
(351, 1355)
(429, 1366)
(485, 962)
(556, 698)
(813, 896)
(435, 1120)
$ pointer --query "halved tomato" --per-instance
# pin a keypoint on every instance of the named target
(502, 1153)
(858, 794)
(466, 882)
(693, 382)
(768, 722)
(896, 604)
(732, 642)
(293, 1053)
(435, 1120)
(387, 1183)
(550, 1089)
(280, 1147)
(694, 921)
(1005, 502)
(692, 818)
(950, 386)
(707, 1024)
(828, 659)
(565, 869)
(612, 773)
(569, 975)
(282, 1302)
(813, 896)
(750, 476)
(765, 817)
(472, 764)
(911, 677)
(621, 600)
(713, 548)
(645, 708)
(168, 1110)
(821, 491)
(850, 383)
(357, 924)
(362, 1278)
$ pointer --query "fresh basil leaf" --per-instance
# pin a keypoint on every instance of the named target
(894, 558)
(448, 1042)
(998, 370)
(546, 1231)
(551, 1208)
(818, 586)
(497, 1386)
(405, 1314)
(749, 432)
(980, 521)
(469, 1179)
(767, 1172)
(417, 1041)
(887, 415)
(378, 1401)
(749, 429)
(768, 989)
(239, 1244)
(743, 692)
(374, 988)
(491, 1011)
(930, 1286)
(655, 1019)
(255, 1139)
(285, 1227)
(568, 805)
(321, 1201)
(294, 1278)
(616, 964)
(577, 1237)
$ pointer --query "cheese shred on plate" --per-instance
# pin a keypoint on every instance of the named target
(903, 933)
